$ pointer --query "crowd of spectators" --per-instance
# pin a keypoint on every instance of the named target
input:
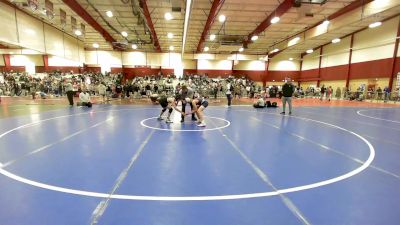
(114, 86)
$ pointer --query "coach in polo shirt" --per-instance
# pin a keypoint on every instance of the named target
(287, 93)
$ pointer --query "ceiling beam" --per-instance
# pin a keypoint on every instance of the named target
(216, 6)
(146, 13)
(279, 11)
(78, 9)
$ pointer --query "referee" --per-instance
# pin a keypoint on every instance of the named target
(287, 93)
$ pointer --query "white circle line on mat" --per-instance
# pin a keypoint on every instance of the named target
(199, 198)
(180, 130)
(376, 118)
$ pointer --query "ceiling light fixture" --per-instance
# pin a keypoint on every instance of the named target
(254, 38)
(95, 45)
(275, 50)
(291, 59)
(296, 39)
(206, 49)
(325, 23)
(78, 32)
(336, 40)
(171, 48)
(123, 33)
(186, 25)
(241, 49)
(310, 51)
(109, 14)
(134, 46)
(168, 16)
(222, 18)
(170, 35)
(275, 20)
(376, 24)
(212, 37)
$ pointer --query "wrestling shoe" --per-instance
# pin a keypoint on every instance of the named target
(201, 125)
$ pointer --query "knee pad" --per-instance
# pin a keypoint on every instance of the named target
(164, 109)
(170, 110)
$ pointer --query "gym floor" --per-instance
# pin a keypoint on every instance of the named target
(328, 163)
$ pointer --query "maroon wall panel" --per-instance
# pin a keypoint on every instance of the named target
(116, 69)
(334, 72)
(397, 66)
(371, 69)
(251, 74)
(305, 74)
(130, 73)
(189, 71)
(65, 69)
(167, 71)
(281, 75)
(40, 69)
(215, 73)
(13, 68)
(93, 69)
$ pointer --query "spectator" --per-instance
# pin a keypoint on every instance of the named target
(260, 103)
(102, 91)
(84, 98)
(70, 93)
(386, 92)
(229, 90)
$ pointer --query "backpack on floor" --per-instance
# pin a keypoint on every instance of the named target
(272, 105)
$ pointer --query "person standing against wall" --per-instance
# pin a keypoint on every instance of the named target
(70, 93)
(287, 93)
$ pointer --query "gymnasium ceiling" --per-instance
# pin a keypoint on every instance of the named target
(242, 19)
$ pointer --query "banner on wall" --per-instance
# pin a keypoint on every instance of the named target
(83, 29)
(49, 9)
(398, 80)
(63, 18)
(34, 4)
(73, 23)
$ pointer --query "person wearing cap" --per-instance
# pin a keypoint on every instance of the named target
(287, 93)
(167, 103)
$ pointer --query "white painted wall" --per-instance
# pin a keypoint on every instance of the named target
(368, 45)
(30, 32)
(23, 30)
(311, 61)
(189, 64)
(7, 23)
(59, 61)
(250, 65)
(28, 61)
(204, 64)
(336, 54)
(281, 62)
